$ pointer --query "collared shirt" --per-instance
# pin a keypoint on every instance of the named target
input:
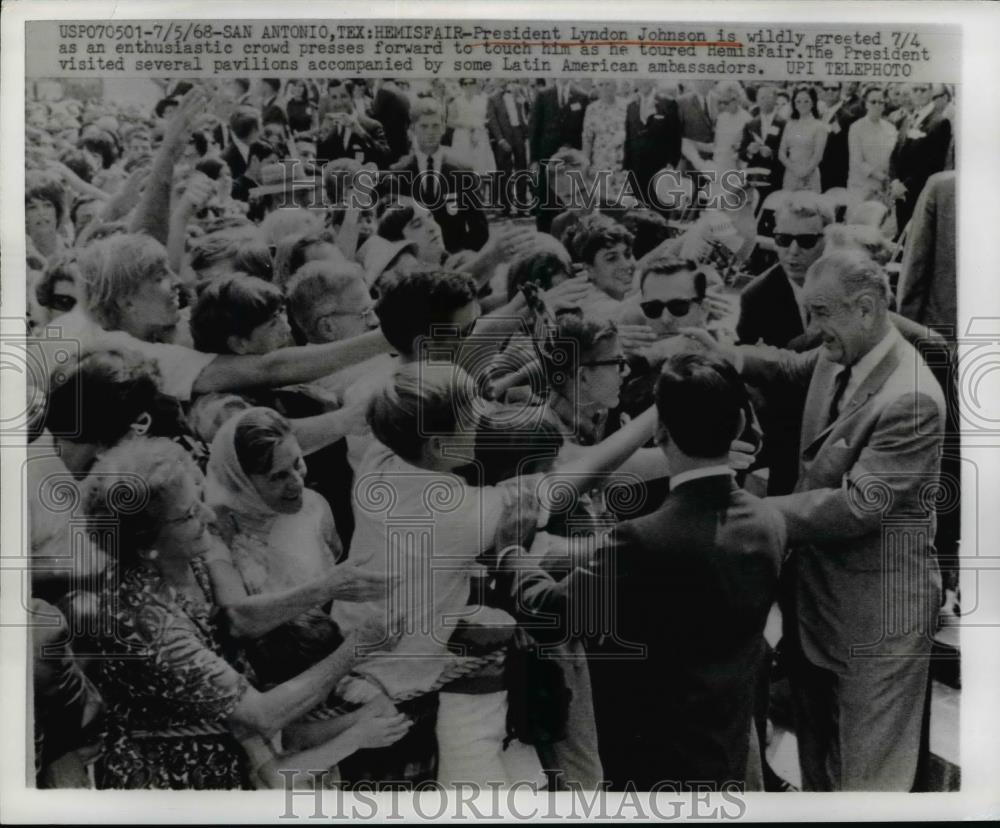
(512, 114)
(922, 115)
(562, 92)
(862, 369)
(765, 123)
(799, 300)
(647, 106)
(422, 159)
(695, 474)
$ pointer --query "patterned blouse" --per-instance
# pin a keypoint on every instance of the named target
(604, 136)
(170, 683)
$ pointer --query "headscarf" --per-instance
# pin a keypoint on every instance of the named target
(226, 483)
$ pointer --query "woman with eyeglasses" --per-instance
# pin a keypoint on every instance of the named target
(802, 143)
(870, 141)
(184, 710)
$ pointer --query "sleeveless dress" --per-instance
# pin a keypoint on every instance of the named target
(801, 146)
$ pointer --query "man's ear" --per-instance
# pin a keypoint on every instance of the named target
(140, 427)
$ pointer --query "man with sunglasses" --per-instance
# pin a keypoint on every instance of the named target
(921, 147)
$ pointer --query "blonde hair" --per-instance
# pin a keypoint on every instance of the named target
(114, 269)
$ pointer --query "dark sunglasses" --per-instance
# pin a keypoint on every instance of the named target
(831, 88)
(807, 241)
(621, 362)
(653, 309)
(63, 304)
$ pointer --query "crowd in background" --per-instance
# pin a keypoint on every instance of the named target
(270, 380)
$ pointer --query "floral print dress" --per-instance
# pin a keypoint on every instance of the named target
(169, 682)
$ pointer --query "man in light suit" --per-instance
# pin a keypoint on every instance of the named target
(697, 115)
(762, 138)
(693, 584)
(861, 523)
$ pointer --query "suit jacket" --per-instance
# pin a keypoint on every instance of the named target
(501, 129)
(234, 158)
(861, 519)
(693, 584)
(769, 311)
(834, 165)
(273, 113)
(461, 218)
(371, 146)
(653, 145)
(696, 123)
(921, 150)
(553, 126)
(772, 140)
(392, 109)
(927, 279)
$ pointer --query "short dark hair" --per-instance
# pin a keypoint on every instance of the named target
(244, 121)
(40, 186)
(63, 269)
(102, 144)
(212, 167)
(538, 266)
(594, 233)
(78, 163)
(262, 150)
(509, 446)
(413, 305)
(394, 219)
(258, 433)
(668, 266)
(102, 396)
(648, 228)
(699, 399)
(232, 305)
(164, 104)
(274, 83)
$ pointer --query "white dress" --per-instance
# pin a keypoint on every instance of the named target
(470, 140)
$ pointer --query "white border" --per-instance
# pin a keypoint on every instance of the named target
(979, 212)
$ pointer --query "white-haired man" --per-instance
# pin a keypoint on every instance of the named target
(866, 584)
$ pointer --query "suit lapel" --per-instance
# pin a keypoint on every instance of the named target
(814, 413)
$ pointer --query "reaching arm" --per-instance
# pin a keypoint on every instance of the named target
(287, 366)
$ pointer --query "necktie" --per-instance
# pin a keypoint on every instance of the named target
(429, 188)
(840, 386)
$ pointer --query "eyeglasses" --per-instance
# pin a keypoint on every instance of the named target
(831, 88)
(653, 309)
(873, 101)
(807, 241)
(620, 361)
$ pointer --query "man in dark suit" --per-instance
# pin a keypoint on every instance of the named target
(391, 108)
(921, 147)
(271, 111)
(772, 313)
(346, 133)
(865, 581)
(697, 115)
(507, 122)
(652, 137)
(693, 584)
(762, 138)
(244, 129)
(841, 110)
(448, 188)
(556, 121)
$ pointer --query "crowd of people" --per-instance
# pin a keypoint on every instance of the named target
(377, 471)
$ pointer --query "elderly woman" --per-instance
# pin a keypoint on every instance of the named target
(283, 547)
(183, 712)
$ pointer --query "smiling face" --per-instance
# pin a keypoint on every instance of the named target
(612, 270)
(795, 259)
(841, 320)
(281, 487)
(183, 532)
(40, 217)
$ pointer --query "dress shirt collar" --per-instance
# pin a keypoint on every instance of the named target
(422, 159)
(924, 113)
(242, 148)
(696, 474)
(862, 369)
